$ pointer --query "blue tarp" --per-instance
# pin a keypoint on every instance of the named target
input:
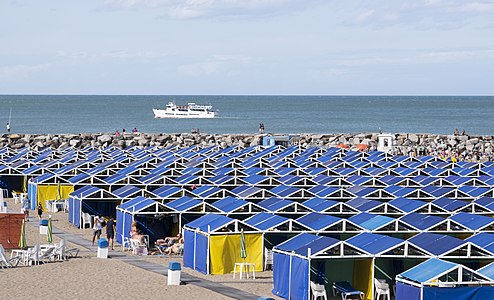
(209, 222)
(421, 221)
(183, 204)
(317, 221)
(471, 221)
(371, 221)
(229, 204)
(407, 292)
(428, 270)
(374, 243)
(319, 204)
(265, 221)
(459, 293)
(436, 244)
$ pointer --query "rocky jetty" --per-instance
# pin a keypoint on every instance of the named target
(405, 143)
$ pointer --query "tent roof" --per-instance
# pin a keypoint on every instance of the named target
(210, 222)
(183, 204)
(472, 221)
(302, 242)
(428, 270)
(126, 191)
(317, 221)
(374, 243)
(166, 191)
(487, 270)
(421, 221)
(319, 204)
(371, 221)
(484, 240)
(229, 204)
(436, 244)
(265, 221)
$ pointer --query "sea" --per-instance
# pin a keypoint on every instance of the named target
(52, 114)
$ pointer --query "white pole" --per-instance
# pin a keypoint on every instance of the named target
(308, 281)
(195, 248)
(290, 277)
(207, 253)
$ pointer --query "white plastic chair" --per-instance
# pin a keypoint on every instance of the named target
(138, 248)
(268, 259)
(86, 219)
(17, 198)
(8, 262)
(382, 288)
(318, 290)
(47, 256)
(33, 255)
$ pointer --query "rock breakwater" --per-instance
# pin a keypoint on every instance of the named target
(475, 148)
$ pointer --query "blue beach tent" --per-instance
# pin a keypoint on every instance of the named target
(212, 244)
(153, 219)
(437, 279)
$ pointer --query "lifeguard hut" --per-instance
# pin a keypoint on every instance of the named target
(385, 142)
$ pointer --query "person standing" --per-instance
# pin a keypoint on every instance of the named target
(110, 231)
(25, 209)
(97, 227)
(40, 211)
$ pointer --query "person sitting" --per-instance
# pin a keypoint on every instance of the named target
(169, 241)
(177, 248)
(138, 236)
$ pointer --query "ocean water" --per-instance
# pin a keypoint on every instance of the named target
(242, 114)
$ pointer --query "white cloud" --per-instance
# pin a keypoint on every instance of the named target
(190, 9)
(218, 64)
(21, 70)
(441, 14)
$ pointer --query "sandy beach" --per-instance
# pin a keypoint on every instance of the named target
(89, 276)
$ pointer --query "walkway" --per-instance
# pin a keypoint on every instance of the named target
(156, 268)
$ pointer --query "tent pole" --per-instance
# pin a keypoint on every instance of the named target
(195, 249)
(207, 253)
(290, 276)
(308, 279)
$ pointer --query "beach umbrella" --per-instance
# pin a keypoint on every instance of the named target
(341, 145)
(22, 240)
(243, 250)
(24, 184)
(49, 235)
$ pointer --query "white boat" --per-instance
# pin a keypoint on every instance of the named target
(191, 110)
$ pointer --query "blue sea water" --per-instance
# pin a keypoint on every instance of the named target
(242, 114)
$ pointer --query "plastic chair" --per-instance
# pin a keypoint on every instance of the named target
(17, 198)
(268, 259)
(86, 219)
(318, 290)
(382, 288)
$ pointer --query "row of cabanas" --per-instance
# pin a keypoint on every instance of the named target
(140, 167)
(361, 259)
(195, 159)
(377, 163)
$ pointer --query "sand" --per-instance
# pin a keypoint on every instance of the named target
(89, 276)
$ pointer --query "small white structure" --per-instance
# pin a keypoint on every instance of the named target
(174, 270)
(385, 142)
(102, 248)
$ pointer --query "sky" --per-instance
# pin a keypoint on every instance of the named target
(247, 47)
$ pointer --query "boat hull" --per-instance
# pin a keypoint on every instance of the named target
(165, 114)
